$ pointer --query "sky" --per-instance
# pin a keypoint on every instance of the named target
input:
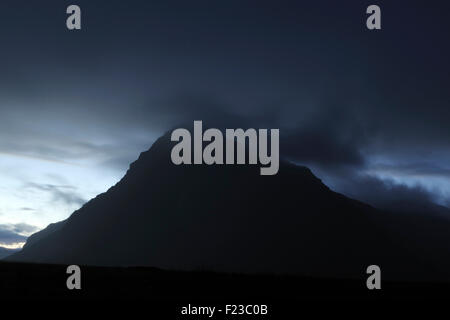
(367, 111)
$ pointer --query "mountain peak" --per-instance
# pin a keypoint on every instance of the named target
(230, 218)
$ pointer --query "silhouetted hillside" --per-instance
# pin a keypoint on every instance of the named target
(43, 233)
(230, 218)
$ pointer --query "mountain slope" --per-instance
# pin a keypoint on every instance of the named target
(36, 237)
(229, 218)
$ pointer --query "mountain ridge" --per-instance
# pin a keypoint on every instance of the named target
(228, 218)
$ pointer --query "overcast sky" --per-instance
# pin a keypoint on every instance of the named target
(368, 111)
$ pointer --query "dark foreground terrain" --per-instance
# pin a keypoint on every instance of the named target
(151, 293)
(35, 281)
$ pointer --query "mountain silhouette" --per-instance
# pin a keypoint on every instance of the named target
(230, 218)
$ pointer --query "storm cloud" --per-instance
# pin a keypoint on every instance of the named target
(368, 111)
(11, 234)
(65, 194)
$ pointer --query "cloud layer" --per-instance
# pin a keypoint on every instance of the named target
(367, 110)
(11, 234)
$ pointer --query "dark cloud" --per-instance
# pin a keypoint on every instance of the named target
(330, 139)
(386, 194)
(320, 148)
(14, 233)
(62, 193)
(23, 228)
(341, 95)
(8, 237)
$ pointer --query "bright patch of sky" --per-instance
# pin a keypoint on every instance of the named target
(41, 191)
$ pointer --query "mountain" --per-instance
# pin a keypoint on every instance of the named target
(36, 237)
(230, 218)
(4, 252)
